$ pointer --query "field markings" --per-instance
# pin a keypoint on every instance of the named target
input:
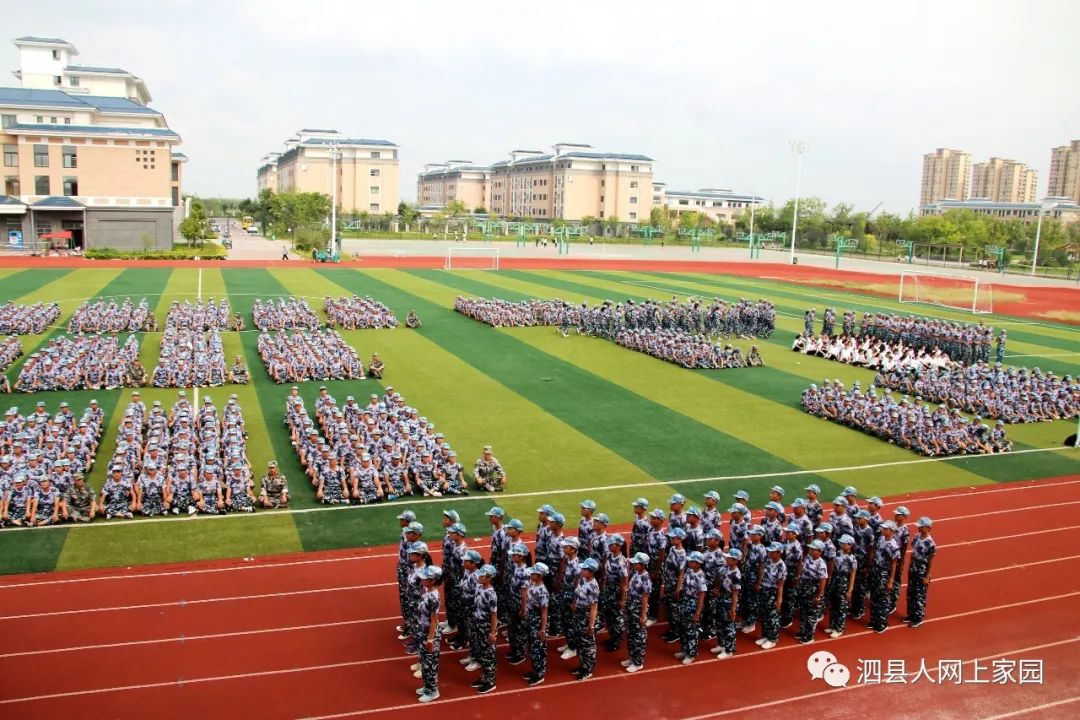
(435, 551)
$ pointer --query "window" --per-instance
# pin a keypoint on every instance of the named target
(373, 207)
(39, 119)
(41, 156)
(57, 80)
(52, 119)
(374, 189)
(176, 172)
(11, 156)
(67, 121)
(11, 186)
(176, 197)
(375, 154)
(633, 168)
(374, 172)
(601, 213)
(633, 183)
(656, 199)
(633, 216)
(71, 186)
(633, 199)
(601, 198)
(603, 166)
(7, 120)
(684, 202)
(71, 159)
(603, 183)
(73, 81)
(41, 184)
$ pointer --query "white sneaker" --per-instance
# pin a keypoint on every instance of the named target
(404, 636)
(650, 622)
(626, 663)
(176, 511)
(569, 654)
(443, 626)
(633, 668)
(472, 667)
(562, 648)
(759, 641)
(768, 645)
(414, 666)
(724, 655)
(418, 674)
(426, 698)
(687, 660)
(680, 655)
(717, 650)
(192, 510)
(421, 691)
(748, 628)
(466, 660)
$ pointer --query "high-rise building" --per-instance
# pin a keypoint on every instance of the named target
(1004, 181)
(1065, 171)
(85, 158)
(945, 176)
(367, 170)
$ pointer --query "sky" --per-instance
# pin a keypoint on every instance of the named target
(713, 91)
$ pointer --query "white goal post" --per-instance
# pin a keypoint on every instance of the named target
(970, 294)
(474, 258)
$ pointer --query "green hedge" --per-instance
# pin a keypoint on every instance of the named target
(207, 251)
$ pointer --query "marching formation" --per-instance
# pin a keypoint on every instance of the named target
(358, 313)
(382, 450)
(27, 319)
(91, 362)
(867, 352)
(963, 342)
(189, 460)
(199, 315)
(108, 317)
(1014, 395)
(915, 426)
(708, 578)
(284, 314)
(317, 355)
(190, 358)
(43, 463)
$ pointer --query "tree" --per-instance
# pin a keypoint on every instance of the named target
(690, 220)
(661, 217)
(195, 226)
(587, 222)
(455, 209)
(481, 210)
(612, 224)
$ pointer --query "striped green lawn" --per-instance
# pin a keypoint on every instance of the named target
(569, 417)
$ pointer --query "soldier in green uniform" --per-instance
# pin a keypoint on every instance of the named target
(488, 473)
(275, 489)
(78, 503)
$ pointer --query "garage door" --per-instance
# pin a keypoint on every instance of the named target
(127, 234)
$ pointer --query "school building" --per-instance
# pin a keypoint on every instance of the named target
(86, 158)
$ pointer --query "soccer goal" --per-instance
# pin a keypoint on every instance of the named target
(969, 294)
(472, 258)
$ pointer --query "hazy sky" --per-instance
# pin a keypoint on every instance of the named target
(714, 91)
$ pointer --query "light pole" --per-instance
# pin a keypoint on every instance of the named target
(751, 215)
(334, 153)
(798, 147)
(1043, 206)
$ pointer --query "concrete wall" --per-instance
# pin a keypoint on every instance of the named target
(129, 229)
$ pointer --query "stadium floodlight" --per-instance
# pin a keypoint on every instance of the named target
(798, 147)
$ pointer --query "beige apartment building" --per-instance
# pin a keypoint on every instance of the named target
(1062, 209)
(945, 176)
(83, 154)
(442, 183)
(1065, 171)
(1001, 180)
(720, 206)
(367, 170)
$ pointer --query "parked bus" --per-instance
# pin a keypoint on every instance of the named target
(247, 222)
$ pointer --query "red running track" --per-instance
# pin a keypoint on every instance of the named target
(1033, 301)
(313, 636)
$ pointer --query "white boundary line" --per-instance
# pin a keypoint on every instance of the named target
(1032, 708)
(360, 621)
(516, 691)
(549, 492)
(438, 550)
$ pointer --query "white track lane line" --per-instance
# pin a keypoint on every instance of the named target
(1032, 708)
(235, 517)
(438, 550)
(363, 621)
(516, 691)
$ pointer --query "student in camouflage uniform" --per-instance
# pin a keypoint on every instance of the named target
(79, 504)
(411, 531)
(671, 580)
(488, 473)
(465, 594)
(569, 570)
(814, 510)
(428, 634)
(727, 590)
(864, 548)
(771, 596)
(813, 577)
(793, 558)
(690, 605)
(536, 618)
(754, 560)
(808, 322)
(615, 579)
(883, 564)
(657, 547)
(903, 538)
(923, 550)
(584, 609)
(274, 491)
(638, 589)
(639, 533)
(485, 632)
(517, 601)
(499, 557)
(841, 585)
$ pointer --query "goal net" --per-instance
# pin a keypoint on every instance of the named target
(969, 294)
(472, 258)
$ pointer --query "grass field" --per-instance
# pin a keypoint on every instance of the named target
(568, 417)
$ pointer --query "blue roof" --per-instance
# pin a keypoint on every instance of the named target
(458, 170)
(8, 200)
(59, 98)
(57, 201)
(96, 130)
(179, 156)
(38, 39)
(92, 69)
(608, 156)
(715, 194)
(347, 141)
